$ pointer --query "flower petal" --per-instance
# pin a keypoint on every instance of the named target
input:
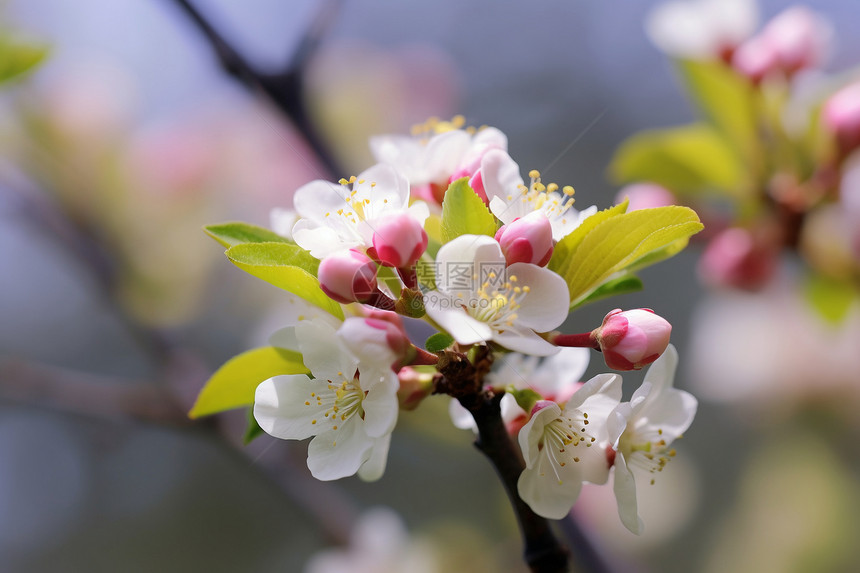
(624, 487)
(284, 407)
(381, 408)
(324, 353)
(531, 433)
(548, 489)
(501, 176)
(546, 304)
(464, 328)
(525, 341)
(339, 453)
(444, 152)
(374, 467)
(461, 417)
(558, 373)
(469, 252)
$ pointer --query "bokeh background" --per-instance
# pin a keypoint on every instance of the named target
(131, 137)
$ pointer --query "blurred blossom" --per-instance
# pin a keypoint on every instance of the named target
(645, 196)
(769, 348)
(827, 241)
(702, 29)
(379, 543)
(739, 258)
(358, 90)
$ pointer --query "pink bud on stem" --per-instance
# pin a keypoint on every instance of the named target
(348, 277)
(629, 339)
(842, 117)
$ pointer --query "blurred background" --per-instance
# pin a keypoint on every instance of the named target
(115, 306)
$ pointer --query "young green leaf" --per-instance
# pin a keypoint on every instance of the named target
(464, 213)
(687, 160)
(253, 430)
(286, 266)
(232, 234)
(438, 342)
(623, 242)
(562, 254)
(613, 287)
(726, 99)
(233, 385)
(18, 57)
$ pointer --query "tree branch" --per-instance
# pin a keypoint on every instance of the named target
(285, 88)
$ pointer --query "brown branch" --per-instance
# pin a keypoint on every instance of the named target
(285, 88)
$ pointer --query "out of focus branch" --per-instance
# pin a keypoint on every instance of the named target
(88, 394)
(285, 88)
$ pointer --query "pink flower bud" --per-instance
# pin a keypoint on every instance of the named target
(399, 241)
(734, 258)
(414, 387)
(348, 277)
(755, 59)
(842, 117)
(799, 37)
(632, 339)
(645, 196)
(527, 240)
(472, 170)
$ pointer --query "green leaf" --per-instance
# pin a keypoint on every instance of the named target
(464, 213)
(234, 384)
(18, 57)
(687, 160)
(562, 254)
(232, 234)
(286, 266)
(253, 430)
(831, 298)
(439, 342)
(625, 242)
(614, 287)
(725, 98)
(526, 398)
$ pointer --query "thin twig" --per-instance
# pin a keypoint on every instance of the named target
(285, 88)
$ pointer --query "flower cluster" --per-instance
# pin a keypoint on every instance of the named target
(783, 138)
(444, 229)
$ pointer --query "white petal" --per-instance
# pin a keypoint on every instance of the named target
(546, 304)
(489, 138)
(558, 373)
(550, 490)
(624, 487)
(280, 409)
(531, 433)
(339, 453)
(563, 226)
(464, 328)
(661, 373)
(525, 341)
(518, 370)
(444, 153)
(381, 408)
(501, 176)
(374, 467)
(598, 393)
(321, 241)
(323, 352)
(469, 252)
(672, 414)
(616, 423)
(282, 221)
(315, 199)
(391, 184)
(461, 417)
